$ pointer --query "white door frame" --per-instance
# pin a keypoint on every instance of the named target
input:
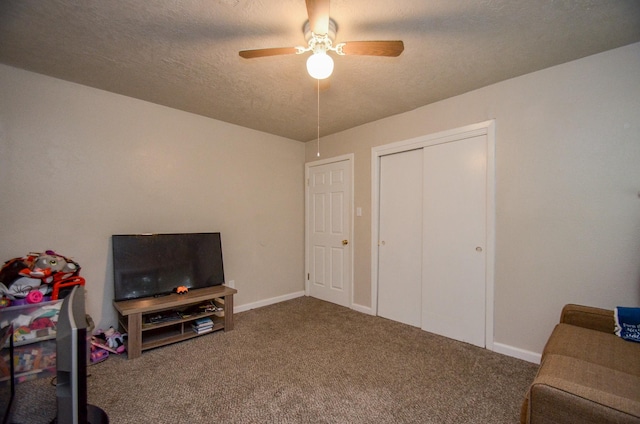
(350, 158)
(483, 128)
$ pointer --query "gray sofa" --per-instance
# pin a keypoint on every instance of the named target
(587, 373)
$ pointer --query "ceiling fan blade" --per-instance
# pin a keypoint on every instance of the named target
(318, 11)
(373, 48)
(277, 51)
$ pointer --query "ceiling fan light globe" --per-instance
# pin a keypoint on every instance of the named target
(320, 65)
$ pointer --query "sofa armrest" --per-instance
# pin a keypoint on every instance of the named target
(588, 317)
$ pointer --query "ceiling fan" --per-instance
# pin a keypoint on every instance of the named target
(320, 32)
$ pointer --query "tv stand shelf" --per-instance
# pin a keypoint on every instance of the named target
(133, 317)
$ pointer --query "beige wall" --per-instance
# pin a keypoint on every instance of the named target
(79, 164)
(567, 188)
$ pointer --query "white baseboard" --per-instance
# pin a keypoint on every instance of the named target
(364, 309)
(266, 302)
(272, 301)
(515, 352)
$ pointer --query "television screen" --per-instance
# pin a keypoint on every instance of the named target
(147, 265)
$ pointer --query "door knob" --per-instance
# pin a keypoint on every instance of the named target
(345, 242)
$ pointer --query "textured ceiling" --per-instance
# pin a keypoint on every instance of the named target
(184, 54)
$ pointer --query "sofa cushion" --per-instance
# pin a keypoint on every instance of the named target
(584, 389)
(597, 347)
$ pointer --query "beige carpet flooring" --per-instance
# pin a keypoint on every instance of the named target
(302, 361)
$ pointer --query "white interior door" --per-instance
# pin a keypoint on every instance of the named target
(329, 247)
(455, 239)
(400, 237)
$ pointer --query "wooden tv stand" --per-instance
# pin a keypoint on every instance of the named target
(133, 317)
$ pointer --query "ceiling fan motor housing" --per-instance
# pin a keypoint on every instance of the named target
(331, 35)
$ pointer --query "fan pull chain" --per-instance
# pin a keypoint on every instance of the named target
(318, 143)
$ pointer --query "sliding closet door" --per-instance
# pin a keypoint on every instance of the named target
(400, 238)
(455, 237)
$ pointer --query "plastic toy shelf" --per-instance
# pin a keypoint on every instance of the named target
(34, 346)
(137, 317)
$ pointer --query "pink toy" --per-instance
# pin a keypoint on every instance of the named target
(115, 340)
(40, 323)
(35, 297)
(98, 354)
(110, 339)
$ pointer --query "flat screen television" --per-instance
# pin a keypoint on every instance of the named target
(72, 354)
(146, 265)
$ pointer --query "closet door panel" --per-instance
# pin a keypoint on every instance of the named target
(454, 239)
(400, 237)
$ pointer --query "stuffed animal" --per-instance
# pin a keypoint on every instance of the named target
(13, 283)
(111, 340)
(115, 340)
(20, 288)
(52, 267)
(10, 271)
(36, 271)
